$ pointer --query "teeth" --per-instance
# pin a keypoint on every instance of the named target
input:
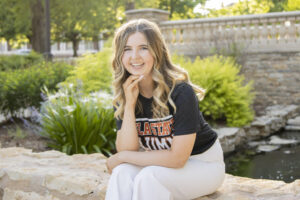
(137, 64)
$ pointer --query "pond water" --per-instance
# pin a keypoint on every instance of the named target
(283, 163)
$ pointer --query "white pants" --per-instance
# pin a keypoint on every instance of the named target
(201, 175)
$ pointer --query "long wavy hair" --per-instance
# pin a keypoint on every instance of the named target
(164, 74)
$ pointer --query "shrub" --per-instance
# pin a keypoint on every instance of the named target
(21, 88)
(93, 71)
(13, 62)
(78, 124)
(227, 97)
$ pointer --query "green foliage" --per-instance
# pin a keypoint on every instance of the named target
(226, 95)
(180, 9)
(79, 125)
(73, 20)
(243, 8)
(93, 71)
(21, 88)
(13, 62)
(292, 5)
(13, 21)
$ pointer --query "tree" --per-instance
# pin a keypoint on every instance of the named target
(11, 22)
(245, 7)
(69, 18)
(292, 5)
(23, 18)
(38, 23)
(73, 20)
(179, 9)
(278, 5)
(8, 29)
(182, 9)
(102, 19)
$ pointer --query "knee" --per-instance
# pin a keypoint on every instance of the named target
(146, 175)
(126, 170)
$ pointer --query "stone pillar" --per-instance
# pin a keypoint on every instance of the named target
(154, 15)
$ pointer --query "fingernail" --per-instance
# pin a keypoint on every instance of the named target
(142, 76)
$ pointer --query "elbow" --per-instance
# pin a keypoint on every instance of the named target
(179, 162)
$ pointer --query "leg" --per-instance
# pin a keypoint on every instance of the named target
(196, 179)
(121, 182)
(201, 175)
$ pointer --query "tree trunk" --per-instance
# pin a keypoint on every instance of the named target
(75, 47)
(38, 40)
(8, 45)
(130, 5)
(96, 43)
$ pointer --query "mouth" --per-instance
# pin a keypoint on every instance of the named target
(137, 65)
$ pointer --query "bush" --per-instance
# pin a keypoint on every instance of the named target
(13, 62)
(21, 88)
(78, 124)
(93, 71)
(227, 97)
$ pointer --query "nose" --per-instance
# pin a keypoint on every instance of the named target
(135, 54)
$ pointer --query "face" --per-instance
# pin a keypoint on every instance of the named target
(137, 58)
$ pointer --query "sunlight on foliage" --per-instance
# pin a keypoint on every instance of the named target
(227, 96)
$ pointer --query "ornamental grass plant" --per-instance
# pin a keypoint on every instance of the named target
(77, 123)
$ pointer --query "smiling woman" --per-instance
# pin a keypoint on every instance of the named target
(162, 138)
(137, 58)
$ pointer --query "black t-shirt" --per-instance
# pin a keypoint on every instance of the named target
(157, 134)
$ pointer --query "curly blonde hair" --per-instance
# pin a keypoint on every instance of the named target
(164, 74)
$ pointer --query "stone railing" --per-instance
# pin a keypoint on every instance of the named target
(271, 32)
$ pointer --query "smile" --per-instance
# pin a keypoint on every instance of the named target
(137, 65)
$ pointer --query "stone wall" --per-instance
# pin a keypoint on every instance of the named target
(53, 175)
(276, 78)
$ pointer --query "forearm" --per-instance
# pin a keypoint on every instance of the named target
(165, 158)
(127, 138)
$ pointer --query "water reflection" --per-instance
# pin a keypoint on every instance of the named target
(281, 164)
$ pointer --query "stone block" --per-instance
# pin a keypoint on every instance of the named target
(295, 121)
(292, 128)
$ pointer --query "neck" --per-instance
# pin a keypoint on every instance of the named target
(146, 87)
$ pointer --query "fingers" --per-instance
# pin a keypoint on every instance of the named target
(135, 82)
(132, 80)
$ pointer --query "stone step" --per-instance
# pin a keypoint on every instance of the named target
(294, 122)
(292, 128)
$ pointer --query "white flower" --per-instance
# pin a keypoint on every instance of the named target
(69, 108)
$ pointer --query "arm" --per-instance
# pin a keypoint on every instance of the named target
(176, 157)
(127, 137)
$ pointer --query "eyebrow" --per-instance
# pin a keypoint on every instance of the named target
(142, 45)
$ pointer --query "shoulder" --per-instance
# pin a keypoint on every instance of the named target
(183, 90)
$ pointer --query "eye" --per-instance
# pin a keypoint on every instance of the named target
(144, 48)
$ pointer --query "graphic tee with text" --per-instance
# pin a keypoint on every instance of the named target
(158, 133)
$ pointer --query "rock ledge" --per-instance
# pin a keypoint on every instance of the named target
(52, 175)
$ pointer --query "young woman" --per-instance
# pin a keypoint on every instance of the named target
(166, 150)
